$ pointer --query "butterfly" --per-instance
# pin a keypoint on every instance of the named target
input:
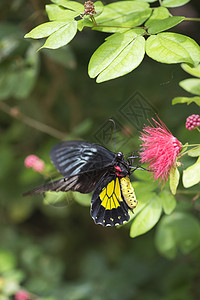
(88, 167)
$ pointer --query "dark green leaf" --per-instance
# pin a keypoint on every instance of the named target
(191, 85)
(178, 230)
(171, 48)
(164, 24)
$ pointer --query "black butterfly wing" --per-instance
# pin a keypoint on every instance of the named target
(76, 157)
(108, 206)
(83, 183)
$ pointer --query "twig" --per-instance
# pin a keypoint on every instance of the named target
(15, 113)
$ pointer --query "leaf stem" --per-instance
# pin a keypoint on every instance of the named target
(192, 19)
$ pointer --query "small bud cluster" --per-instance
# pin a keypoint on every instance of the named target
(33, 161)
(192, 122)
(89, 8)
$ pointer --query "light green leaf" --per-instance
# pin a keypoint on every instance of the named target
(168, 202)
(164, 24)
(190, 70)
(56, 12)
(147, 218)
(187, 100)
(158, 13)
(131, 20)
(116, 11)
(117, 56)
(45, 29)
(178, 230)
(174, 3)
(174, 179)
(99, 7)
(62, 36)
(191, 85)
(191, 175)
(194, 152)
(83, 199)
(150, 1)
(169, 47)
(81, 24)
(73, 5)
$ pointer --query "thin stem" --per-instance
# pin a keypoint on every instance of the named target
(117, 26)
(160, 2)
(15, 113)
(192, 19)
(194, 145)
(197, 129)
(93, 20)
(187, 192)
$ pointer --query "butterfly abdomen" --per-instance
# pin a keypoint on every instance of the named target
(128, 192)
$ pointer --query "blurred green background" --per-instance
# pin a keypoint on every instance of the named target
(56, 251)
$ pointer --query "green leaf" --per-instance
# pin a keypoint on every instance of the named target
(174, 3)
(168, 202)
(129, 20)
(190, 70)
(150, 1)
(99, 7)
(61, 37)
(120, 12)
(7, 261)
(194, 152)
(56, 12)
(73, 5)
(117, 56)
(174, 179)
(169, 47)
(191, 175)
(45, 29)
(84, 23)
(191, 85)
(187, 100)
(158, 13)
(178, 230)
(83, 199)
(147, 218)
(164, 24)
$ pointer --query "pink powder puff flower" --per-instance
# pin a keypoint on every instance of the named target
(33, 161)
(22, 295)
(159, 149)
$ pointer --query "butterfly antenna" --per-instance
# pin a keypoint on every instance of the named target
(114, 125)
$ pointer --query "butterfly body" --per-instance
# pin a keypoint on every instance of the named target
(90, 167)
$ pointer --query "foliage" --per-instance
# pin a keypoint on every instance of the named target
(49, 245)
(124, 50)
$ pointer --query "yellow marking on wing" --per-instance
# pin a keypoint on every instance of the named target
(128, 192)
(110, 188)
(111, 195)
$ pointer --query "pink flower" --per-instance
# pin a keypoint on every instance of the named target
(159, 149)
(192, 122)
(22, 295)
(33, 161)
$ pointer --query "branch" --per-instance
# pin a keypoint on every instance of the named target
(15, 113)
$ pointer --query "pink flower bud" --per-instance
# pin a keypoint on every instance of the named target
(33, 161)
(22, 295)
(192, 122)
